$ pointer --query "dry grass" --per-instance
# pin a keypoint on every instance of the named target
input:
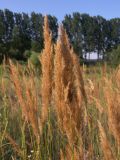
(59, 114)
(47, 70)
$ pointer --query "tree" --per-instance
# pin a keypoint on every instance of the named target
(115, 24)
(20, 32)
(99, 35)
(53, 24)
(72, 25)
(9, 24)
(2, 35)
(77, 34)
(67, 23)
(87, 34)
(16, 50)
(36, 32)
(26, 37)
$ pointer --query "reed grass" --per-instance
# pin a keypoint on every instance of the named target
(69, 112)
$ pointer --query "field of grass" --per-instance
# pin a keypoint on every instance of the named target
(66, 113)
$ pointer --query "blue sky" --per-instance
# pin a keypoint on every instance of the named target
(106, 8)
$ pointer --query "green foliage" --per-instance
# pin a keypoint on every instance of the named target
(27, 54)
(20, 32)
(113, 57)
(92, 34)
(35, 46)
(53, 24)
(14, 53)
(34, 59)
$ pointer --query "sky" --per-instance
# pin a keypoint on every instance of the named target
(106, 8)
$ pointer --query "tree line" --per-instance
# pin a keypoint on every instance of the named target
(21, 33)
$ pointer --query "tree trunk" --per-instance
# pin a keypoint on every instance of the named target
(89, 55)
(98, 55)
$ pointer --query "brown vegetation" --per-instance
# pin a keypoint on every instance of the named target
(62, 110)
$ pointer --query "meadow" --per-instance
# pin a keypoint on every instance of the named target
(63, 112)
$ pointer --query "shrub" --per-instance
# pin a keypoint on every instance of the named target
(114, 57)
(27, 54)
(35, 62)
(34, 59)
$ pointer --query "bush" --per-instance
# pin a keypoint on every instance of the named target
(27, 54)
(34, 60)
(36, 46)
(114, 57)
(15, 54)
